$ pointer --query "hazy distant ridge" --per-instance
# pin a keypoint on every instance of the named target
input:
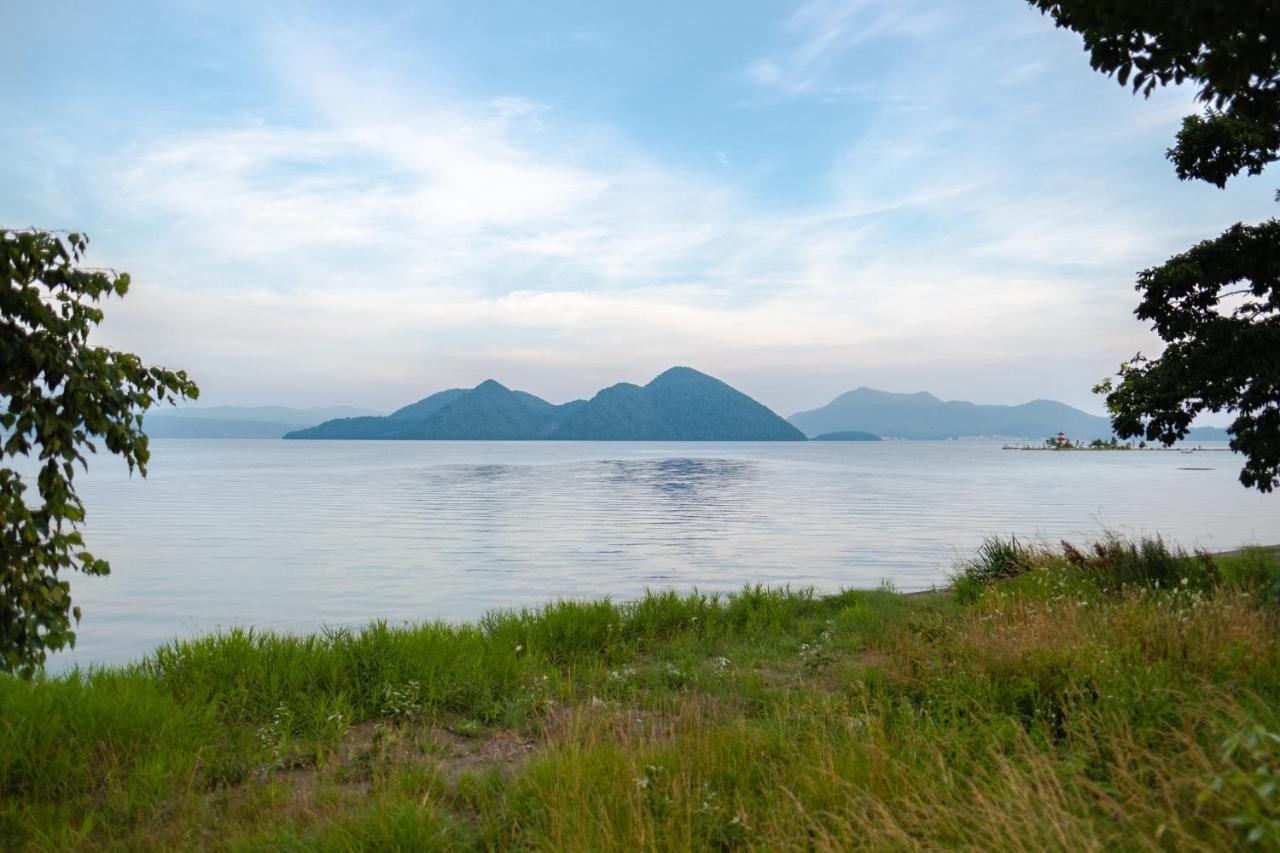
(240, 421)
(923, 416)
(269, 414)
(681, 404)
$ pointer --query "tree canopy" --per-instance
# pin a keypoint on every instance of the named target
(61, 397)
(1216, 305)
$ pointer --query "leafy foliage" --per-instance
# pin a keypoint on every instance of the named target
(1218, 357)
(1227, 48)
(1217, 305)
(61, 397)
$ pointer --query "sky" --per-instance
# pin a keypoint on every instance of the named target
(360, 204)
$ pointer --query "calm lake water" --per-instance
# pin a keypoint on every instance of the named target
(295, 535)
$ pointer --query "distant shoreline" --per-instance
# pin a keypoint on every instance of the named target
(1108, 448)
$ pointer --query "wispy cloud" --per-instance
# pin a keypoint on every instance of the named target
(822, 32)
(386, 229)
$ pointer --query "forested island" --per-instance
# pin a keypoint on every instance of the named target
(847, 435)
(681, 404)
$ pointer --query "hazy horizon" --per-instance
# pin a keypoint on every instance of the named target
(322, 206)
(202, 404)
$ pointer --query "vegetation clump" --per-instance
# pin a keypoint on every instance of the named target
(1120, 695)
(61, 399)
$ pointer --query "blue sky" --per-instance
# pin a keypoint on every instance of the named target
(364, 203)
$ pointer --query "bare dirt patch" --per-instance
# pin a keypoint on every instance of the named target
(369, 744)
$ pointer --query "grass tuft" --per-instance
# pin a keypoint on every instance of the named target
(997, 559)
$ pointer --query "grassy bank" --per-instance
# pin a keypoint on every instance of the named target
(1116, 696)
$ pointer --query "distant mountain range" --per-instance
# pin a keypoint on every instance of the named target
(240, 421)
(681, 404)
(923, 416)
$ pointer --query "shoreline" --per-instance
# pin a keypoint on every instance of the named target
(1107, 448)
(767, 718)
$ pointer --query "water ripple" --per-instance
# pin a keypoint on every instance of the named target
(295, 535)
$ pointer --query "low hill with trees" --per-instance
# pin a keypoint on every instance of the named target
(681, 404)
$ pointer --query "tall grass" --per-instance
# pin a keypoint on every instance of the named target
(1111, 563)
(997, 559)
(1120, 695)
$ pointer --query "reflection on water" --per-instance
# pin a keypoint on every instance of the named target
(485, 473)
(708, 479)
(296, 535)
